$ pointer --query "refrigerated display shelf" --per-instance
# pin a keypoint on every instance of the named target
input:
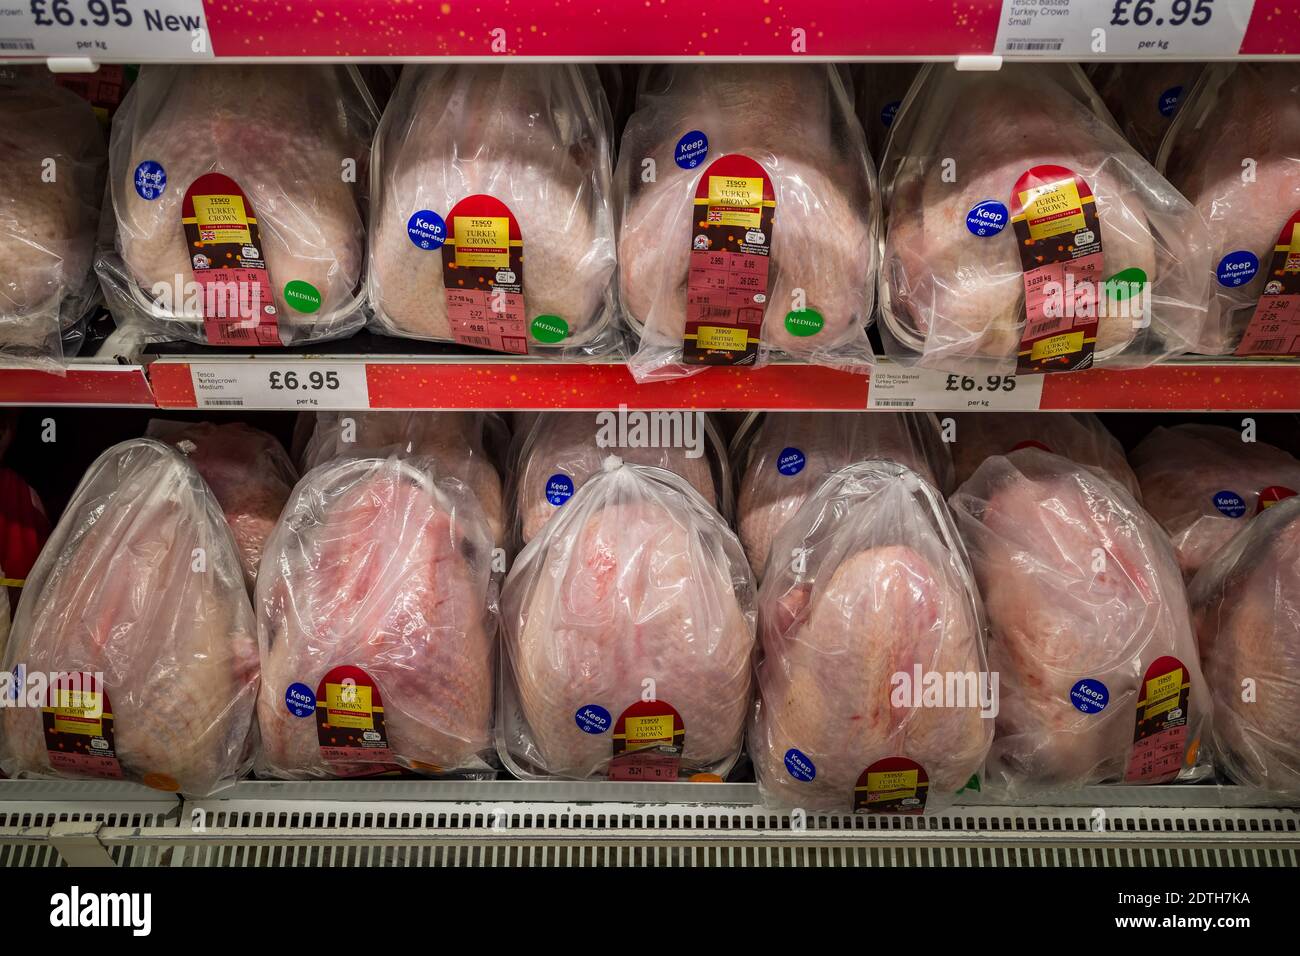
(507, 823)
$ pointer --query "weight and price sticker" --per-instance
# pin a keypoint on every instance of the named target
(894, 388)
(1172, 28)
(296, 385)
(131, 30)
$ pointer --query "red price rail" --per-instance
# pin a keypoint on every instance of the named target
(165, 30)
(85, 384)
(508, 383)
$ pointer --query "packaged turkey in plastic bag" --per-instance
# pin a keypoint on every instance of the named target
(1089, 631)
(457, 442)
(1204, 482)
(1078, 436)
(51, 189)
(1246, 604)
(1144, 98)
(492, 224)
(749, 219)
(1011, 194)
(248, 471)
(628, 636)
(782, 457)
(557, 452)
(376, 617)
(874, 692)
(1234, 151)
(135, 634)
(239, 194)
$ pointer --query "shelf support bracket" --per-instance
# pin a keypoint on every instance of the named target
(78, 843)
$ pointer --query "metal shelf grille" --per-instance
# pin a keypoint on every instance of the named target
(506, 823)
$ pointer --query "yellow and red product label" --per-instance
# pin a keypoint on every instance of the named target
(78, 723)
(649, 738)
(892, 785)
(1271, 495)
(1274, 329)
(350, 718)
(733, 212)
(229, 265)
(1054, 215)
(1160, 734)
(483, 276)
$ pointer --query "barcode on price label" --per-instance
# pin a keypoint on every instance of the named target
(134, 30)
(307, 384)
(1123, 28)
(892, 387)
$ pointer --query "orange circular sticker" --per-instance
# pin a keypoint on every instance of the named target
(161, 781)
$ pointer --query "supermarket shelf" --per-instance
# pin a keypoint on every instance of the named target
(86, 383)
(509, 383)
(499, 823)
(596, 29)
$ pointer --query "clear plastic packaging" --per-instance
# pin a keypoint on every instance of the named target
(138, 601)
(247, 470)
(782, 457)
(969, 148)
(1204, 482)
(878, 95)
(296, 142)
(557, 452)
(376, 617)
(1089, 630)
(1078, 436)
(877, 595)
(457, 442)
(628, 636)
(1234, 151)
(796, 122)
(51, 186)
(533, 138)
(1144, 98)
(1246, 603)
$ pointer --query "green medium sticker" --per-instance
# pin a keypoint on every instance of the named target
(804, 322)
(301, 296)
(1124, 284)
(549, 329)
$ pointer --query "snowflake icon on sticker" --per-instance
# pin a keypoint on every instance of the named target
(269, 309)
(760, 298)
(1085, 237)
(702, 242)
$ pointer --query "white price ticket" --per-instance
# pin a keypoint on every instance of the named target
(893, 388)
(308, 384)
(1122, 28)
(133, 30)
